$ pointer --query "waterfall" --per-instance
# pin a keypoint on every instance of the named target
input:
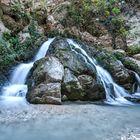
(115, 94)
(137, 93)
(17, 86)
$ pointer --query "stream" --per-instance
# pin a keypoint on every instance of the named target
(70, 121)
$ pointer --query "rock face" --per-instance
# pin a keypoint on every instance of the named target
(92, 90)
(137, 56)
(83, 87)
(47, 70)
(11, 24)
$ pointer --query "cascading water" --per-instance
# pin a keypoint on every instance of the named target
(17, 87)
(137, 93)
(114, 93)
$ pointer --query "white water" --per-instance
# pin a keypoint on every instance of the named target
(114, 93)
(137, 93)
(17, 86)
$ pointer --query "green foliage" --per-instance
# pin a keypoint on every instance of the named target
(18, 8)
(110, 12)
(128, 63)
(80, 14)
(133, 50)
(12, 39)
(84, 14)
(116, 11)
(33, 30)
(12, 50)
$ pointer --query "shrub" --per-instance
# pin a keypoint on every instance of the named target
(93, 15)
(133, 50)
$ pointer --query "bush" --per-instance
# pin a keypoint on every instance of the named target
(133, 50)
(12, 51)
(94, 16)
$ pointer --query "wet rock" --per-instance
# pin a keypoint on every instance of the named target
(90, 87)
(129, 62)
(120, 74)
(45, 94)
(70, 57)
(132, 64)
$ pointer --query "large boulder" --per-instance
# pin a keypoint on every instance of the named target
(65, 65)
(45, 81)
(93, 90)
(83, 87)
(45, 94)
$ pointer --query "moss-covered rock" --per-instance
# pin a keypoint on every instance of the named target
(120, 74)
(128, 62)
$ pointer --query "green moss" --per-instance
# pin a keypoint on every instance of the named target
(128, 63)
(12, 51)
(133, 50)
